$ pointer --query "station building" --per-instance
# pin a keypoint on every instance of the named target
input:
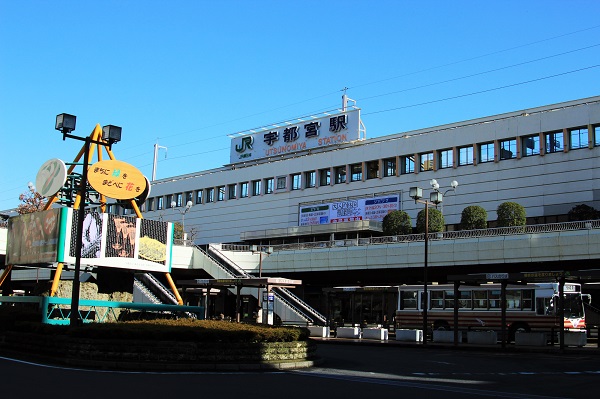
(321, 181)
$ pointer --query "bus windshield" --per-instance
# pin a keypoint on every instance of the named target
(573, 306)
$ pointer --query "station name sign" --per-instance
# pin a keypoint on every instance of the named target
(292, 138)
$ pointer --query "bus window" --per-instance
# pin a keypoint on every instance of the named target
(465, 300)
(480, 300)
(513, 299)
(494, 299)
(449, 299)
(543, 306)
(437, 299)
(527, 299)
(408, 299)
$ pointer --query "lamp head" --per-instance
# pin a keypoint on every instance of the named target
(173, 204)
(111, 133)
(415, 193)
(65, 123)
(454, 184)
(434, 184)
(188, 205)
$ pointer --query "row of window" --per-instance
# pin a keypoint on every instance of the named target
(493, 151)
(476, 299)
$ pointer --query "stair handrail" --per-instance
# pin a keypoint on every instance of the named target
(293, 308)
(313, 312)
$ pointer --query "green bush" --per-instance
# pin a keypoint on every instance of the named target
(436, 221)
(511, 214)
(473, 217)
(397, 223)
(583, 212)
(180, 330)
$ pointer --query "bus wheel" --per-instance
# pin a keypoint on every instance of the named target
(441, 326)
(515, 328)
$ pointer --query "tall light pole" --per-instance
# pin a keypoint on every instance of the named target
(183, 211)
(65, 123)
(416, 193)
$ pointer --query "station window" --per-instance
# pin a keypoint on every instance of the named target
(579, 138)
(310, 179)
(356, 172)
(324, 177)
(269, 185)
(150, 204)
(169, 201)
(372, 170)
(408, 164)
(530, 145)
(597, 135)
(296, 181)
(256, 187)
(179, 199)
(508, 149)
(486, 152)
(554, 142)
(389, 167)
(221, 193)
(199, 196)
(446, 158)
(465, 155)
(244, 190)
(281, 183)
(210, 195)
(232, 190)
(426, 161)
(340, 174)
(160, 203)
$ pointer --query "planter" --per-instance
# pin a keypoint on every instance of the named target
(575, 338)
(347, 332)
(443, 336)
(530, 339)
(482, 337)
(316, 331)
(409, 335)
(375, 333)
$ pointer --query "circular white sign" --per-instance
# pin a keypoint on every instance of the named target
(51, 177)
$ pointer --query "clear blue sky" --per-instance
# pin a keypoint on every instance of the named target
(186, 74)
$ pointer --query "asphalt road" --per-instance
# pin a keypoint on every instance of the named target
(357, 371)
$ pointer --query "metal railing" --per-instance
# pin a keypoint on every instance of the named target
(55, 310)
(445, 235)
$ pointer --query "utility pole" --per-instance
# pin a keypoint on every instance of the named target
(156, 148)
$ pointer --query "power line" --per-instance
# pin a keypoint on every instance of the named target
(482, 91)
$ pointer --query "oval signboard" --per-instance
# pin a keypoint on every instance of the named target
(116, 179)
(51, 177)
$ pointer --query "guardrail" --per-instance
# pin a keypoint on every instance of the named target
(445, 235)
(53, 310)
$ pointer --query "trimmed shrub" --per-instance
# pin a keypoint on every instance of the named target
(473, 217)
(397, 223)
(511, 214)
(436, 221)
(583, 212)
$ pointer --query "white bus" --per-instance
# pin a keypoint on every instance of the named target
(529, 307)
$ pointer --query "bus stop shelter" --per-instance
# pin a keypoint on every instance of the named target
(266, 283)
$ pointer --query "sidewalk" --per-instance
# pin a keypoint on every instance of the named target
(591, 349)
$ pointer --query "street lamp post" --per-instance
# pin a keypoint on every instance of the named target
(416, 193)
(65, 123)
(183, 211)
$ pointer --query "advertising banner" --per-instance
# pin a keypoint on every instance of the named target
(374, 208)
(108, 240)
(33, 238)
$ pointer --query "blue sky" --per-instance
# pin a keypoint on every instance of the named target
(186, 74)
